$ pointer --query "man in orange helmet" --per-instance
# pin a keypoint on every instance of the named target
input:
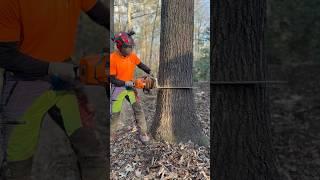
(122, 67)
(37, 39)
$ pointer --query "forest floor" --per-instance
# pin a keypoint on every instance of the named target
(159, 160)
(295, 113)
(296, 131)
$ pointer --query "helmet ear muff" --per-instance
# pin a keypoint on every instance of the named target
(118, 41)
(122, 38)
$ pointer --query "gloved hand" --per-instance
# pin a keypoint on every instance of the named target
(150, 82)
(65, 71)
(129, 84)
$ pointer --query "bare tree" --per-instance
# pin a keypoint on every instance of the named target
(143, 17)
(242, 147)
(129, 15)
(175, 119)
(153, 32)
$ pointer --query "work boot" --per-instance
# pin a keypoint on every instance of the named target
(90, 154)
(141, 123)
(20, 170)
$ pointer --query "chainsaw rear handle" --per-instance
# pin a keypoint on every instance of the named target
(93, 69)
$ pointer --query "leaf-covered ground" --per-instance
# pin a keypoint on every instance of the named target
(295, 112)
(296, 127)
(159, 160)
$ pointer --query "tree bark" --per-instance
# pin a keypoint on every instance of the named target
(242, 147)
(119, 17)
(129, 15)
(144, 40)
(175, 118)
(152, 35)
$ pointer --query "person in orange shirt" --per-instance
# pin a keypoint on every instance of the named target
(37, 39)
(122, 67)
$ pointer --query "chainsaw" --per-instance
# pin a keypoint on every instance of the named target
(93, 69)
(146, 83)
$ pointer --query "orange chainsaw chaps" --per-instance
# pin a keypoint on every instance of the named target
(92, 70)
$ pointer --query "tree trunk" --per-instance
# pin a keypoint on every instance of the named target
(198, 40)
(242, 147)
(145, 35)
(152, 36)
(129, 13)
(119, 17)
(175, 118)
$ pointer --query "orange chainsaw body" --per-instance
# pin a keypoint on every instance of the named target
(145, 83)
(93, 70)
(139, 83)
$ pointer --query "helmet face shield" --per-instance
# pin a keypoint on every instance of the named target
(127, 46)
(126, 51)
